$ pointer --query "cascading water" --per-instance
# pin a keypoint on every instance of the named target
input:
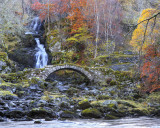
(36, 24)
(41, 55)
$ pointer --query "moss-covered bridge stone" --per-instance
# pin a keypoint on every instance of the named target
(45, 72)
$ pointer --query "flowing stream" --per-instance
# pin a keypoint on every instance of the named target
(142, 122)
(41, 55)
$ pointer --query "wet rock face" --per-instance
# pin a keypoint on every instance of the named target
(39, 113)
(5, 64)
(68, 115)
(122, 67)
(24, 56)
(2, 65)
(15, 114)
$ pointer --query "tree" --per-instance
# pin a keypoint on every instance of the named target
(45, 10)
(150, 70)
(147, 32)
(105, 17)
(144, 40)
(101, 18)
(11, 25)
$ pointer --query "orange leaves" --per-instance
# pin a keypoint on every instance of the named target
(76, 14)
(151, 68)
(43, 9)
(145, 38)
(74, 9)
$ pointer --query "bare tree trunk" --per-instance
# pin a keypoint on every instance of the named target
(106, 31)
(48, 16)
(97, 27)
(22, 9)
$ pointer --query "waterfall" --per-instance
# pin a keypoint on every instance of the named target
(41, 55)
(36, 24)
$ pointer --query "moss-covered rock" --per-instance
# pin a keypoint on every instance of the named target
(71, 91)
(91, 113)
(39, 113)
(7, 95)
(84, 104)
(6, 65)
(154, 99)
(103, 97)
(15, 77)
(68, 114)
(3, 56)
(64, 105)
(113, 82)
(110, 117)
(1, 80)
(115, 58)
(56, 97)
(138, 112)
(15, 114)
(133, 108)
(4, 93)
(37, 81)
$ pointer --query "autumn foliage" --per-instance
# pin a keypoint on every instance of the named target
(43, 9)
(139, 40)
(144, 40)
(151, 69)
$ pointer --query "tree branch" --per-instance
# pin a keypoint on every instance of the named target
(154, 16)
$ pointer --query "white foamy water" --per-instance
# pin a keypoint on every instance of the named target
(143, 122)
(41, 55)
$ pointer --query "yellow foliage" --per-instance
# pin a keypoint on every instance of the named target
(152, 34)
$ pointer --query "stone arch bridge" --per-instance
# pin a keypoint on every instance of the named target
(87, 72)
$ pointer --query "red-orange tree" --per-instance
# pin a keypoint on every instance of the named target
(44, 10)
(150, 71)
(76, 15)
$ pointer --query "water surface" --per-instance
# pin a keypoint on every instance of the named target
(143, 122)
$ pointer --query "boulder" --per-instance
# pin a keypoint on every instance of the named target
(68, 114)
(39, 113)
(24, 56)
(84, 104)
(91, 113)
(110, 117)
(37, 122)
(15, 114)
(2, 119)
(110, 103)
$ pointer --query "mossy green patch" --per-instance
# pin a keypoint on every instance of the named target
(154, 98)
(15, 77)
(92, 113)
(110, 117)
(133, 106)
(72, 91)
(103, 97)
(48, 96)
(3, 55)
(5, 93)
(84, 104)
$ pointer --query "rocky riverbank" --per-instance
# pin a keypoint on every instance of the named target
(35, 99)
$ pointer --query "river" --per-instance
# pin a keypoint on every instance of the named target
(142, 122)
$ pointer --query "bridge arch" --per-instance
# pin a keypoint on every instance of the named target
(53, 68)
